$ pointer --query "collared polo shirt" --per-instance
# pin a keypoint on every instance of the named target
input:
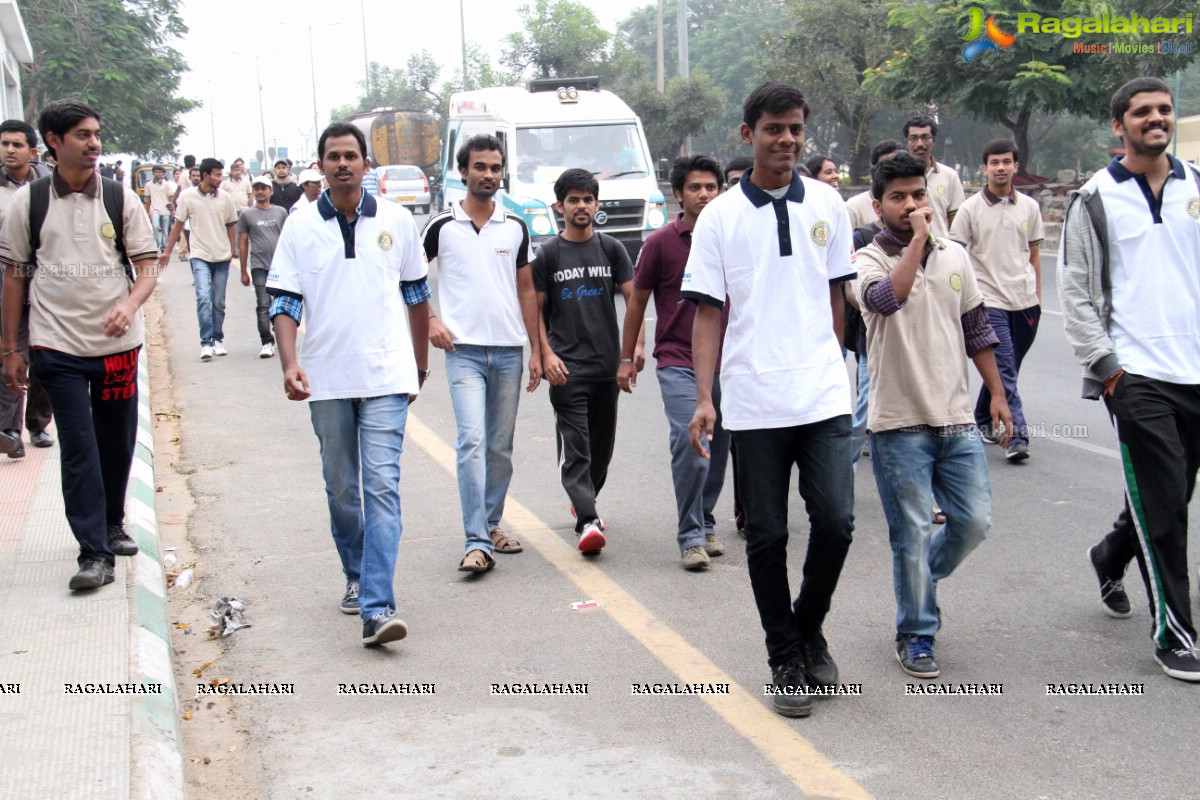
(997, 232)
(239, 190)
(660, 267)
(916, 357)
(160, 195)
(351, 278)
(79, 275)
(1154, 265)
(477, 275)
(946, 196)
(210, 216)
(861, 209)
(775, 259)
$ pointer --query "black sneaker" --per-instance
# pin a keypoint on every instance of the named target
(819, 668)
(93, 573)
(915, 654)
(791, 698)
(350, 599)
(1112, 593)
(12, 443)
(988, 435)
(119, 541)
(1182, 664)
(383, 627)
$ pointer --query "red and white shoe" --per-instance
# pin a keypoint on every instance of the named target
(599, 521)
(591, 540)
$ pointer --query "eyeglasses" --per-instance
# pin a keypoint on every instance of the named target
(925, 137)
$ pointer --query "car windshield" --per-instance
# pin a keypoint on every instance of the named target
(607, 151)
(402, 174)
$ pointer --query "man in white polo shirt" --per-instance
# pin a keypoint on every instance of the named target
(778, 245)
(488, 312)
(212, 217)
(237, 186)
(355, 265)
(1002, 231)
(1129, 279)
(945, 189)
(161, 193)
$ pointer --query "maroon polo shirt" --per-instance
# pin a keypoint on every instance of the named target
(659, 269)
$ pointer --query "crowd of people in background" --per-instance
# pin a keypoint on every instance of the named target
(762, 283)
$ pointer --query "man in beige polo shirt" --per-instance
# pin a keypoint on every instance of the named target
(237, 186)
(1002, 231)
(923, 309)
(85, 328)
(945, 191)
(211, 214)
(161, 194)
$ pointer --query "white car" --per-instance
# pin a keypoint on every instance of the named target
(405, 184)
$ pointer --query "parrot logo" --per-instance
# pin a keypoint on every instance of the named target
(982, 38)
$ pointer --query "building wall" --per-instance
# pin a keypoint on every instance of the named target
(14, 51)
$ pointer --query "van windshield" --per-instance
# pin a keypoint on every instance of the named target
(607, 151)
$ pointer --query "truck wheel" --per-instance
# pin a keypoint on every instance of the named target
(425, 209)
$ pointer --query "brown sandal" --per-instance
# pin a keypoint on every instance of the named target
(503, 543)
(476, 561)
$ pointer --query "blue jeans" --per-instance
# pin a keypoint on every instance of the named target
(362, 439)
(210, 278)
(698, 483)
(1016, 331)
(485, 386)
(911, 470)
(858, 422)
(161, 223)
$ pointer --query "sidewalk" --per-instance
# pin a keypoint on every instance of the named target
(87, 697)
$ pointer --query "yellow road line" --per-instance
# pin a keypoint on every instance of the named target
(810, 770)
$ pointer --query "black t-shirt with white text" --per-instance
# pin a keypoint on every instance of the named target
(580, 310)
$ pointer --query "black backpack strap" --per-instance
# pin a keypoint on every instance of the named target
(611, 246)
(39, 204)
(548, 253)
(113, 194)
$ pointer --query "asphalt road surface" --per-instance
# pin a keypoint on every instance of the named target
(1022, 612)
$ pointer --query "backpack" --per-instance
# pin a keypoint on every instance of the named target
(548, 252)
(113, 194)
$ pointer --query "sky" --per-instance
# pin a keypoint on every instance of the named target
(225, 36)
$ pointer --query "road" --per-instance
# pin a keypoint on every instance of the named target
(1023, 612)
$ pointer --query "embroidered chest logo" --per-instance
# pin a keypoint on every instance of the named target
(956, 281)
(1024, 226)
(385, 241)
(819, 233)
(941, 191)
(504, 252)
(1193, 208)
(107, 231)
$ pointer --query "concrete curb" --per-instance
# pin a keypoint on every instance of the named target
(156, 742)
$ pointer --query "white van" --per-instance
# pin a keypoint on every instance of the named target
(554, 125)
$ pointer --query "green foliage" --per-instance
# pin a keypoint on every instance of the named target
(1040, 72)
(670, 117)
(415, 86)
(561, 38)
(830, 49)
(117, 57)
(725, 42)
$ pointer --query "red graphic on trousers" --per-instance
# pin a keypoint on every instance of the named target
(120, 376)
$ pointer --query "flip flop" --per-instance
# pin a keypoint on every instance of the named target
(476, 561)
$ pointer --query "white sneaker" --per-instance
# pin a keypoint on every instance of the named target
(267, 351)
(219, 349)
(206, 353)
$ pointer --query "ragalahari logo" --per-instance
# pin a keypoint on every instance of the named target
(986, 37)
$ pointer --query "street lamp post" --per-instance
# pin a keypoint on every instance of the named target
(261, 120)
(312, 66)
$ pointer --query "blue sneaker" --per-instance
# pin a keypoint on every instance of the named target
(915, 654)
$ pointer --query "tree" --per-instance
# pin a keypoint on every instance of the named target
(1037, 72)
(561, 38)
(670, 117)
(831, 48)
(115, 56)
